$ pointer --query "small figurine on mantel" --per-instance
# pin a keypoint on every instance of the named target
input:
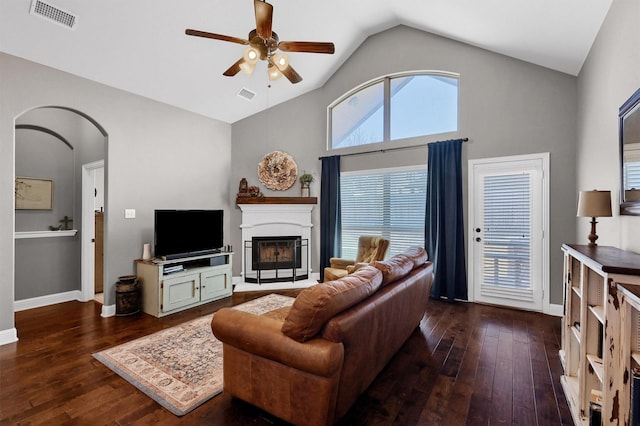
(246, 190)
(243, 188)
(254, 191)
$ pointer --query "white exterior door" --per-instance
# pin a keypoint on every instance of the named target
(508, 215)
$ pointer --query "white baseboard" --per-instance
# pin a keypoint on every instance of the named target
(8, 336)
(50, 299)
(108, 311)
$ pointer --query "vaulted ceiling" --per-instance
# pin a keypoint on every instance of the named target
(141, 47)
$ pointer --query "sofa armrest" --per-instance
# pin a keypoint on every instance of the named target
(261, 336)
(340, 263)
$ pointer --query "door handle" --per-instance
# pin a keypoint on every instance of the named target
(478, 229)
(478, 239)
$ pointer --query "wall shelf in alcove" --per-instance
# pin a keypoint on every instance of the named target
(20, 235)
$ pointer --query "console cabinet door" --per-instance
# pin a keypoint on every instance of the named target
(215, 283)
(180, 290)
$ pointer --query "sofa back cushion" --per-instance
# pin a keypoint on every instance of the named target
(395, 268)
(417, 254)
(315, 305)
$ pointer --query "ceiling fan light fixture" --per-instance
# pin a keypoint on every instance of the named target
(247, 67)
(274, 72)
(281, 61)
(261, 45)
(251, 55)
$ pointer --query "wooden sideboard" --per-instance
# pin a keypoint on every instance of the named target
(600, 328)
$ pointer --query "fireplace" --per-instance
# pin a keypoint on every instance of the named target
(276, 259)
(271, 253)
(265, 219)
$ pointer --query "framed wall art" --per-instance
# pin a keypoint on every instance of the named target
(33, 193)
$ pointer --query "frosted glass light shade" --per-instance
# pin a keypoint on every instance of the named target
(251, 55)
(274, 72)
(281, 61)
(247, 68)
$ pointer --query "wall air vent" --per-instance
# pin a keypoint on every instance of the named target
(53, 14)
(246, 94)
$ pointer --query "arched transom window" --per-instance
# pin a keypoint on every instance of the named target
(393, 107)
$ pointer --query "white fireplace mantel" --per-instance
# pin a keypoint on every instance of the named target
(266, 219)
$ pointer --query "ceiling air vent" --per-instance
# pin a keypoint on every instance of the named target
(53, 14)
(246, 94)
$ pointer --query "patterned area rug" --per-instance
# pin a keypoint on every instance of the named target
(180, 367)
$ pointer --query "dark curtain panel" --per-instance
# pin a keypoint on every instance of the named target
(444, 227)
(330, 220)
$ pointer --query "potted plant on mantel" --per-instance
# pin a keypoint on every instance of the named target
(305, 182)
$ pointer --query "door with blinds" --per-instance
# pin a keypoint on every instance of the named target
(508, 215)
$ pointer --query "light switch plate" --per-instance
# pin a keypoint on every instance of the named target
(129, 213)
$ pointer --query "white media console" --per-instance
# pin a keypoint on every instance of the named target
(195, 281)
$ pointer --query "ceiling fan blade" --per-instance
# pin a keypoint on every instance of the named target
(234, 69)
(215, 36)
(291, 75)
(264, 17)
(307, 46)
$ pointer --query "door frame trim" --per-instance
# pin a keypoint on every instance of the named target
(547, 308)
(87, 266)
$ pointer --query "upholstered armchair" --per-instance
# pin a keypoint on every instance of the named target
(370, 248)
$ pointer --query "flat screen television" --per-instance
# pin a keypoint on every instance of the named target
(187, 233)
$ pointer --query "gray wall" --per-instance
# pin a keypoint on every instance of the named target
(607, 79)
(157, 156)
(507, 107)
(41, 155)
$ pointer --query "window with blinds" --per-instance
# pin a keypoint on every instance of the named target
(631, 174)
(388, 203)
(507, 231)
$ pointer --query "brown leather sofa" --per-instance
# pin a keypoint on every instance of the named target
(308, 364)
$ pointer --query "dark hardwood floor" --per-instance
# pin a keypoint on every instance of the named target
(465, 364)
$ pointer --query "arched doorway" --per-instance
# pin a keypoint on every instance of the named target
(39, 132)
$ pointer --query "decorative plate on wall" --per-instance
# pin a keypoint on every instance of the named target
(278, 171)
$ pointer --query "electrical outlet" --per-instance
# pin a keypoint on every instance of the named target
(129, 213)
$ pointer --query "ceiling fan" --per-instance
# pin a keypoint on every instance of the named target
(263, 44)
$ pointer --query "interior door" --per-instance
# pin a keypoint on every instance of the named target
(98, 270)
(507, 219)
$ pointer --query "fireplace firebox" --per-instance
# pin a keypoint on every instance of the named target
(276, 259)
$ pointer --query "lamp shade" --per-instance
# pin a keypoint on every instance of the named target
(281, 61)
(594, 204)
(251, 55)
(274, 72)
(247, 67)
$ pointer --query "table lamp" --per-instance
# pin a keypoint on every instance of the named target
(594, 204)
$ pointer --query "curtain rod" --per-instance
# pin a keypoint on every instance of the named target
(386, 149)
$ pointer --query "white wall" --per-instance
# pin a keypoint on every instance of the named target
(157, 157)
(609, 76)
